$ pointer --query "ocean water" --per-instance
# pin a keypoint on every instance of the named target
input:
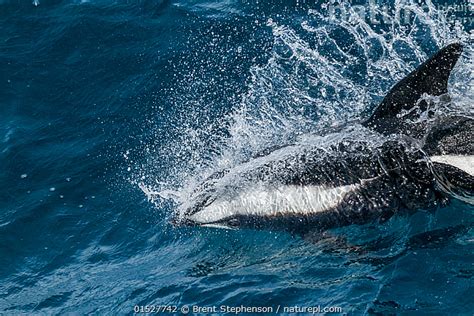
(112, 111)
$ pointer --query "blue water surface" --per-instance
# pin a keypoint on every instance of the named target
(86, 87)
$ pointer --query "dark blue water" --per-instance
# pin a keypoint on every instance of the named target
(99, 98)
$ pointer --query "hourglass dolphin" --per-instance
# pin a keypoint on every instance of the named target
(302, 189)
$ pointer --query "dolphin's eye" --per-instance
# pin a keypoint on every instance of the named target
(233, 222)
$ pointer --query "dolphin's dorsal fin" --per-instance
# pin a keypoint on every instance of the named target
(431, 78)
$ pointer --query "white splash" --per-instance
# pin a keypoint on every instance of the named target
(154, 196)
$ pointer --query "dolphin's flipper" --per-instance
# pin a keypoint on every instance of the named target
(431, 78)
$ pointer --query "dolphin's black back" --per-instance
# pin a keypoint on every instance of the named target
(451, 135)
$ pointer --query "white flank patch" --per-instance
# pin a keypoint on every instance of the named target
(262, 201)
(465, 163)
